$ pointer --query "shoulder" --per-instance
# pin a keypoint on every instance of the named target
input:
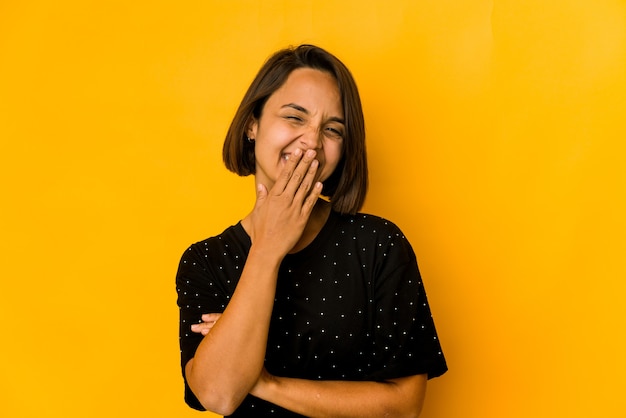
(214, 256)
(378, 234)
(232, 234)
(370, 224)
(233, 238)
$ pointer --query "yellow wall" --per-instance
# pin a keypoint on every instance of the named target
(496, 139)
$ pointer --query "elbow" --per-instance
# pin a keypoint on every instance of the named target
(215, 398)
(415, 411)
(218, 405)
(410, 394)
(411, 413)
(393, 412)
(217, 401)
(399, 409)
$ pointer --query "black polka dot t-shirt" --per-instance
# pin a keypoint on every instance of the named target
(350, 306)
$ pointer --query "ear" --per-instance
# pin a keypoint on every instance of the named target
(251, 130)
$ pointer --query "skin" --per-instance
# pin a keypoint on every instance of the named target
(305, 113)
(298, 145)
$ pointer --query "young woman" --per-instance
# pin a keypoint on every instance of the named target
(305, 307)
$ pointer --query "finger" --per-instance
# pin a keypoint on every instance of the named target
(211, 317)
(311, 199)
(203, 327)
(286, 174)
(307, 182)
(199, 328)
(300, 172)
(261, 194)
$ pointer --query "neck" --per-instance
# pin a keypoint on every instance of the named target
(316, 222)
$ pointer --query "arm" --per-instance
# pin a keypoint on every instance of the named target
(229, 360)
(402, 322)
(401, 397)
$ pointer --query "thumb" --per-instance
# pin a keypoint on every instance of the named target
(261, 194)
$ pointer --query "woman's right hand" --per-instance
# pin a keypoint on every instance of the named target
(280, 215)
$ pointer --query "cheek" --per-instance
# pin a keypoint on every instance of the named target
(332, 158)
(334, 154)
(272, 135)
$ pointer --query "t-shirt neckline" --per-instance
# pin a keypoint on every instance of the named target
(321, 237)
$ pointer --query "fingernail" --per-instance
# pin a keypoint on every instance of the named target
(310, 153)
(297, 152)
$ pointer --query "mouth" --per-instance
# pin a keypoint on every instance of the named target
(286, 156)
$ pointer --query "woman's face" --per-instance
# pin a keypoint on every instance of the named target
(306, 113)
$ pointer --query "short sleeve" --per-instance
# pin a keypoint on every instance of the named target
(405, 338)
(198, 292)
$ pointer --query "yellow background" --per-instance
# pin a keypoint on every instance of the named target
(496, 134)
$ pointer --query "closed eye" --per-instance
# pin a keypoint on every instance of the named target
(334, 132)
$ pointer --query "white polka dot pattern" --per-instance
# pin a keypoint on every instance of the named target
(350, 306)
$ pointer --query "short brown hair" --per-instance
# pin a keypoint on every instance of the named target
(347, 186)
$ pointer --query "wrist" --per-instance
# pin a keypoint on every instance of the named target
(265, 386)
(264, 254)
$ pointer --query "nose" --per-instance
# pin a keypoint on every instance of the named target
(311, 138)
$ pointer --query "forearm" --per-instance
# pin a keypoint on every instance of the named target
(230, 358)
(401, 397)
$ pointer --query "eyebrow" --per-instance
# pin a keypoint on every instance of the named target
(306, 112)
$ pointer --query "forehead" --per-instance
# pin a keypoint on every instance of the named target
(312, 89)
